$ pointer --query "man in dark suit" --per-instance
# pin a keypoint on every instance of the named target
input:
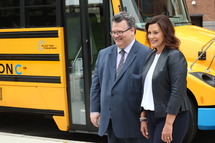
(116, 90)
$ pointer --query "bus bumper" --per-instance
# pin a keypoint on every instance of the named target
(206, 118)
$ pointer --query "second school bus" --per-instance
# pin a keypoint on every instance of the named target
(48, 50)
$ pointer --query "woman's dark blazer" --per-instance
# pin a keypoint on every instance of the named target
(169, 84)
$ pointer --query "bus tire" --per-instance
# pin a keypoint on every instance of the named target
(192, 128)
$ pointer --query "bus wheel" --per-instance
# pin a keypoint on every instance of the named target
(192, 128)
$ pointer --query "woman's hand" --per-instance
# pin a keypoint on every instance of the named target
(166, 134)
(144, 129)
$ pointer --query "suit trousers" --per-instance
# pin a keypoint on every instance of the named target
(155, 127)
(113, 139)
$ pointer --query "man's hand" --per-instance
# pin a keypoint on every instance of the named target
(95, 118)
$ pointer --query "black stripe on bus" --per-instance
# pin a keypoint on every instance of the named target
(24, 78)
(30, 57)
(32, 111)
(29, 34)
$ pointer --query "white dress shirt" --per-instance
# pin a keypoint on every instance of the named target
(127, 50)
(147, 101)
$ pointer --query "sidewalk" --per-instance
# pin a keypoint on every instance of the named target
(17, 138)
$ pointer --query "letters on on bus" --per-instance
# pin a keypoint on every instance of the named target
(10, 69)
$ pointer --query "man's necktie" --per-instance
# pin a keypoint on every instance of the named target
(121, 62)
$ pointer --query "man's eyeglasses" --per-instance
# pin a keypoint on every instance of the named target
(119, 33)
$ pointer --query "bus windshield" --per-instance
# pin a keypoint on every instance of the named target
(145, 9)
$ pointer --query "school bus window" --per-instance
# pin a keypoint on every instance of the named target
(41, 16)
(40, 2)
(9, 14)
(37, 13)
(40, 13)
(96, 20)
(9, 3)
(10, 18)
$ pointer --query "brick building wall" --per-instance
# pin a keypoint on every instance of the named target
(204, 7)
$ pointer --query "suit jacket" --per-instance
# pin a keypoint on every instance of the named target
(119, 98)
(169, 84)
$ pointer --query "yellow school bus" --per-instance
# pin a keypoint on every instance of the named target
(48, 50)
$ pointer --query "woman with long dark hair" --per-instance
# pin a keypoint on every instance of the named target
(165, 104)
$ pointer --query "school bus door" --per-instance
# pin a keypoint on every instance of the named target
(86, 35)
